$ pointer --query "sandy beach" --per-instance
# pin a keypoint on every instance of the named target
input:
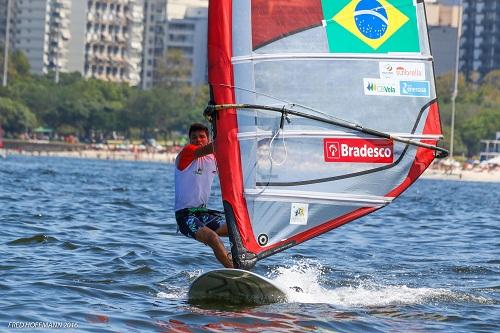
(464, 175)
(102, 155)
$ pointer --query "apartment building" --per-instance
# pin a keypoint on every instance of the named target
(3, 19)
(99, 38)
(480, 41)
(189, 35)
(155, 34)
(39, 28)
(113, 40)
(443, 21)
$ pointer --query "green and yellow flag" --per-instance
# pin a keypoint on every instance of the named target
(371, 26)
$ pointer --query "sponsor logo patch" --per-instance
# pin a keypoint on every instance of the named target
(415, 88)
(358, 150)
(402, 71)
(381, 87)
(299, 213)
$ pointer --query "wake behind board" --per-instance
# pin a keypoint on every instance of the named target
(234, 287)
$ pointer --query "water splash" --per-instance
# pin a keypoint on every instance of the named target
(302, 281)
(171, 287)
(306, 280)
(171, 295)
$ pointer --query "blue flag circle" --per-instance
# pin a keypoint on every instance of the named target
(371, 19)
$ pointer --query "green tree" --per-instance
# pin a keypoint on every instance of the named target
(15, 117)
(174, 70)
(481, 126)
(490, 89)
(19, 65)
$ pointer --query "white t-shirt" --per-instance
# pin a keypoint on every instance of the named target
(193, 178)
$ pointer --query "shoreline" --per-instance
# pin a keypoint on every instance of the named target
(475, 175)
(463, 175)
(101, 155)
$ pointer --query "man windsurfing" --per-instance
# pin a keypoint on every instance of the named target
(195, 169)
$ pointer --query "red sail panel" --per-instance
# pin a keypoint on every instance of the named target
(272, 20)
(424, 156)
(227, 150)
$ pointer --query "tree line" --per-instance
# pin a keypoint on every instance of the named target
(90, 108)
(93, 108)
(477, 112)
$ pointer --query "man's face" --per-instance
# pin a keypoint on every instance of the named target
(198, 138)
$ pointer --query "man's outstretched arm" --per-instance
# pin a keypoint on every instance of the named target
(205, 150)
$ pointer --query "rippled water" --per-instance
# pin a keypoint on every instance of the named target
(94, 244)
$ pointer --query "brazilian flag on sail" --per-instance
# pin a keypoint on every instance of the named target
(371, 26)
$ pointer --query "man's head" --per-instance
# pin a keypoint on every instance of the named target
(198, 134)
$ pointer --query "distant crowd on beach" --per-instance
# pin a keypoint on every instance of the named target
(473, 170)
(134, 154)
(448, 166)
(69, 146)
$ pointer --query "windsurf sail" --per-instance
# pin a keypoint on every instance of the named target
(323, 111)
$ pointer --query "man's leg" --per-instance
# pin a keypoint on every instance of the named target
(222, 230)
(211, 238)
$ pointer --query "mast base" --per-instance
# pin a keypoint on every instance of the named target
(242, 258)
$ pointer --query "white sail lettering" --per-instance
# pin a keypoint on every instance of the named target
(345, 150)
(365, 151)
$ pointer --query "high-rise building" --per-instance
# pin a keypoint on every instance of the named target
(114, 40)
(39, 28)
(155, 34)
(189, 36)
(100, 39)
(112, 43)
(3, 19)
(480, 41)
(443, 21)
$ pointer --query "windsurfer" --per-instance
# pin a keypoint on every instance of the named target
(195, 170)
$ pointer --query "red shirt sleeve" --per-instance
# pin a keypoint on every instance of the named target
(186, 156)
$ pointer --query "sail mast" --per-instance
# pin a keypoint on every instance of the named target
(6, 46)
(455, 81)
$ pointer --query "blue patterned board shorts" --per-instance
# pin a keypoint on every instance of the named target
(190, 220)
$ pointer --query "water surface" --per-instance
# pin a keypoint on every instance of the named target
(94, 243)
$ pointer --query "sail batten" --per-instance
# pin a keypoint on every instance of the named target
(329, 198)
(295, 134)
(288, 171)
(339, 56)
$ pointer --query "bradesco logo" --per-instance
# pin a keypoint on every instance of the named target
(358, 150)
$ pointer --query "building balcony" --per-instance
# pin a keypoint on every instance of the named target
(106, 37)
(136, 46)
(65, 35)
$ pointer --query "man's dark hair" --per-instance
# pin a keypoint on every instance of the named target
(198, 127)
